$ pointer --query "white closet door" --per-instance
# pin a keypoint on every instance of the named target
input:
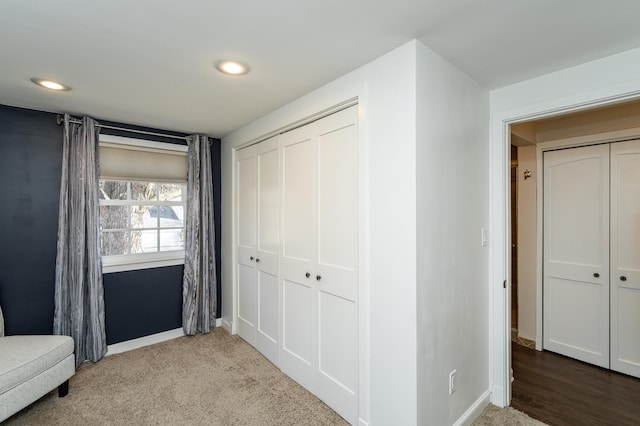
(267, 249)
(337, 213)
(298, 256)
(246, 210)
(625, 257)
(576, 253)
(319, 259)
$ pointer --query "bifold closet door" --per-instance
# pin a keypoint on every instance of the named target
(246, 211)
(319, 259)
(625, 257)
(258, 247)
(576, 253)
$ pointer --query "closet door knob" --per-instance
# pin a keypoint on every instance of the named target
(251, 258)
(623, 278)
(258, 260)
(307, 275)
(318, 277)
(596, 275)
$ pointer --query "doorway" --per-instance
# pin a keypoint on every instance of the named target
(572, 130)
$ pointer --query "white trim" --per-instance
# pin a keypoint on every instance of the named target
(129, 345)
(539, 245)
(362, 423)
(155, 146)
(301, 122)
(474, 411)
(134, 262)
(140, 342)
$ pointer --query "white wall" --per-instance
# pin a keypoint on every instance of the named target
(599, 82)
(527, 242)
(386, 89)
(424, 290)
(452, 202)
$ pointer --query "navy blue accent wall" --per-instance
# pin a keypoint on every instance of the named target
(137, 303)
(30, 167)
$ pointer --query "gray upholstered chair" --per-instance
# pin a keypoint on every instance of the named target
(31, 367)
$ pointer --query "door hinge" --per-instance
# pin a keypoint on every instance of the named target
(504, 284)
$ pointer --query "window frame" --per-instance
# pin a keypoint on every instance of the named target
(137, 261)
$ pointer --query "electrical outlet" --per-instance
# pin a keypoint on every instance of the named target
(453, 385)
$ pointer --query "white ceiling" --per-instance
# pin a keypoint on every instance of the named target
(150, 62)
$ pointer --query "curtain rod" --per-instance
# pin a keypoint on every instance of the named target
(60, 119)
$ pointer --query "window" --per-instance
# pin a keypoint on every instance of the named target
(143, 195)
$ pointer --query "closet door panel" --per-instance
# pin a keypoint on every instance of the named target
(576, 253)
(337, 204)
(298, 256)
(337, 261)
(246, 199)
(246, 181)
(247, 308)
(337, 197)
(337, 360)
(297, 356)
(298, 227)
(268, 245)
(625, 257)
(268, 316)
(268, 312)
(269, 198)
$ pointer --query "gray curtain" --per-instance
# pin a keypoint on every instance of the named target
(199, 297)
(79, 294)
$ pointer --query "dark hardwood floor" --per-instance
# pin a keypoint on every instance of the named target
(562, 391)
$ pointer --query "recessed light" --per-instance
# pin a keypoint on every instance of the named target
(50, 84)
(232, 68)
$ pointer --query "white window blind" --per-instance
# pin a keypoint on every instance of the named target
(130, 159)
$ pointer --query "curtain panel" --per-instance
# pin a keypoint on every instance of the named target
(79, 293)
(199, 284)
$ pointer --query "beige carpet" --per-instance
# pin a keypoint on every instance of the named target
(213, 379)
(508, 416)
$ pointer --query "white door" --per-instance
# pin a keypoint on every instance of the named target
(625, 257)
(337, 248)
(319, 259)
(246, 236)
(267, 249)
(258, 310)
(576, 253)
(298, 256)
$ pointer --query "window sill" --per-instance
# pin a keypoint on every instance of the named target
(136, 262)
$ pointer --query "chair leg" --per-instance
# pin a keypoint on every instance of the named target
(63, 389)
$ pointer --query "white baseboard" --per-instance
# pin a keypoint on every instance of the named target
(227, 325)
(474, 411)
(140, 342)
(129, 345)
(362, 423)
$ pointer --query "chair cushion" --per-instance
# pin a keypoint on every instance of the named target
(24, 357)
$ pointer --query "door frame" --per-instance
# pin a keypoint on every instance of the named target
(500, 222)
